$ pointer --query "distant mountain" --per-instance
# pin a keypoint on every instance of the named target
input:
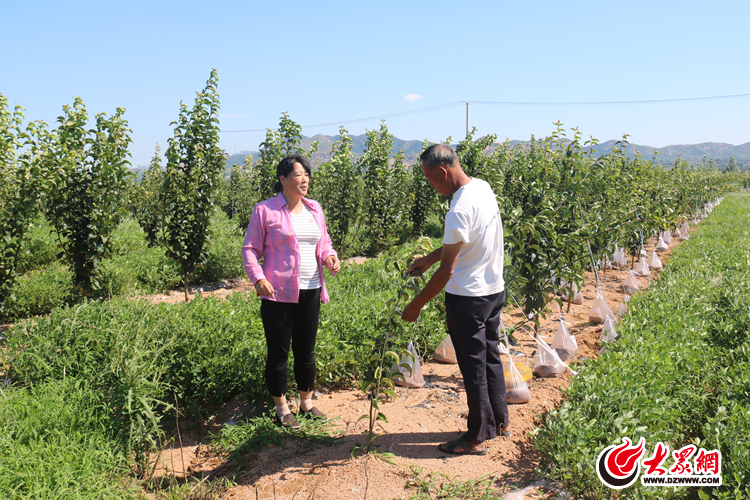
(692, 153)
(325, 143)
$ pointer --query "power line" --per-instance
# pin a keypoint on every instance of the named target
(609, 103)
(369, 118)
(512, 103)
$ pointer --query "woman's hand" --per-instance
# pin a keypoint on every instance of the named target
(333, 264)
(264, 287)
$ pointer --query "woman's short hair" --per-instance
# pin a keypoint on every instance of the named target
(286, 165)
(438, 154)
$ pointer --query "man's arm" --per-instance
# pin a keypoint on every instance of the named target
(448, 258)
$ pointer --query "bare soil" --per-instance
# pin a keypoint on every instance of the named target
(219, 289)
(418, 420)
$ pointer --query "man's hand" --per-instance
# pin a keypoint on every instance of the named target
(411, 312)
(420, 266)
(333, 264)
(447, 255)
(263, 287)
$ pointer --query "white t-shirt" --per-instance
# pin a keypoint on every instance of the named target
(308, 236)
(474, 219)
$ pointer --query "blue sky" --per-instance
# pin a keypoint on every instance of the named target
(335, 61)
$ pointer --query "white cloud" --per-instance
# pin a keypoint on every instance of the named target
(412, 97)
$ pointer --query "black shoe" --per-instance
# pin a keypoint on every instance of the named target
(313, 413)
(287, 421)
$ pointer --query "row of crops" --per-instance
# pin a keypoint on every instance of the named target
(678, 373)
(80, 237)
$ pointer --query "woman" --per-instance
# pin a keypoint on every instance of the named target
(289, 232)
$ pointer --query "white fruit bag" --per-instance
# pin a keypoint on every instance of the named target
(661, 245)
(445, 353)
(654, 262)
(577, 295)
(604, 264)
(677, 233)
(608, 331)
(630, 285)
(415, 379)
(546, 361)
(516, 389)
(667, 237)
(616, 253)
(684, 229)
(564, 343)
(619, 259)
(599, 310)
(642, 267)
(622, 309)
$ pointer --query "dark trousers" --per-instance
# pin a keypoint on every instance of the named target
(284, 322)
(473, 324)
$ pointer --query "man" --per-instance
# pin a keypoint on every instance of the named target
(471, 270)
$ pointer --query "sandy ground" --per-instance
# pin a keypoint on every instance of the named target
(418, 420)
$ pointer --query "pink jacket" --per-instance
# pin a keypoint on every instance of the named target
(270, 234)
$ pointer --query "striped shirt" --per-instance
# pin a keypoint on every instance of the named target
(308, 236)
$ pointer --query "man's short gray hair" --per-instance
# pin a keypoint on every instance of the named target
(438, 154)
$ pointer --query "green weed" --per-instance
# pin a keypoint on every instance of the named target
(132, 269)
(429, 485)
(38, 292)
(54, 444)
(255, 434)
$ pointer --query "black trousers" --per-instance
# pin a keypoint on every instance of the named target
(285, 322)
(473, 324)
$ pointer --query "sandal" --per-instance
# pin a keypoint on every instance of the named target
(464, 445)
(313, 413)
(287, 421)
(504, 431)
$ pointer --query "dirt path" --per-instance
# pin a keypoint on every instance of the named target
(219, 289)
(418, 421)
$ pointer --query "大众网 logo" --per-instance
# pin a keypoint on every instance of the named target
(618, 466)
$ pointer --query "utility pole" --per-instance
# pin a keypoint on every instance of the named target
(467, 117)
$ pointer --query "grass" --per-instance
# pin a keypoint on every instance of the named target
(54, 444)
(168, 488)
(679, 372)
(255, 434)
(140, 359)
(430, 485)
